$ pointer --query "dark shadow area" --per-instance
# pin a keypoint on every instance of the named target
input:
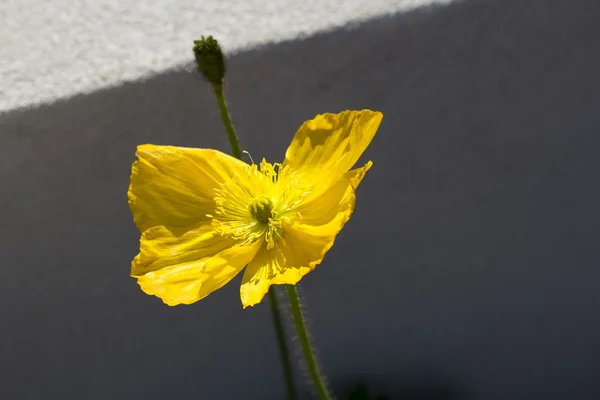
(411, 386)
(473, 251)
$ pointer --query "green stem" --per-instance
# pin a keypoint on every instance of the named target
(305, 342)
(283, 351)
(275, 313)
(233, 140)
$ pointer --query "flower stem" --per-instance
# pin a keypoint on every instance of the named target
(233, 140)
(305, 342)
(275, 312)
(283, 351)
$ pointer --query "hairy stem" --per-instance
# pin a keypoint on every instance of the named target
(233, 139)
(307, 349)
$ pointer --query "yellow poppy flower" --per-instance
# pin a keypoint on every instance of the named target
(205, 215)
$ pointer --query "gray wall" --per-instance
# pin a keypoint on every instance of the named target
(470, 267)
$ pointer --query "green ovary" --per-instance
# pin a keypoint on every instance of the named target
(261, 209)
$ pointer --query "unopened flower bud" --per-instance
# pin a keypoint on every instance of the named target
(210, 59)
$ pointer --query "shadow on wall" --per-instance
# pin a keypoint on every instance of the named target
(424, 386)
(473, 250)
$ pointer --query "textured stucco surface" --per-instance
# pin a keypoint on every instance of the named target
(470, 267)
(59, 48)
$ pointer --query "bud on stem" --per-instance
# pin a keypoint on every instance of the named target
(209, 59)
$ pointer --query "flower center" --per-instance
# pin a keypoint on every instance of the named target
(261, 209)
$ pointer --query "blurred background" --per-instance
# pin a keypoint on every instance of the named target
(468, 271)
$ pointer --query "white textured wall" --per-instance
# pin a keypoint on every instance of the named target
(58, 48)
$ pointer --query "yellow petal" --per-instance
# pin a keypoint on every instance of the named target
(162, 247)
(275, 266)
(327, 146)
(355, 176)
(174, 186)
(184, 267)
(333, 208)
(304, 241)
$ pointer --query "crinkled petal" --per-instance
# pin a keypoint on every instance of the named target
(356, 175)
(304, 241)
(286, 263)
(174, 186)
(331, 143)
(162, 247)
(183, 267)
(333, 208)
